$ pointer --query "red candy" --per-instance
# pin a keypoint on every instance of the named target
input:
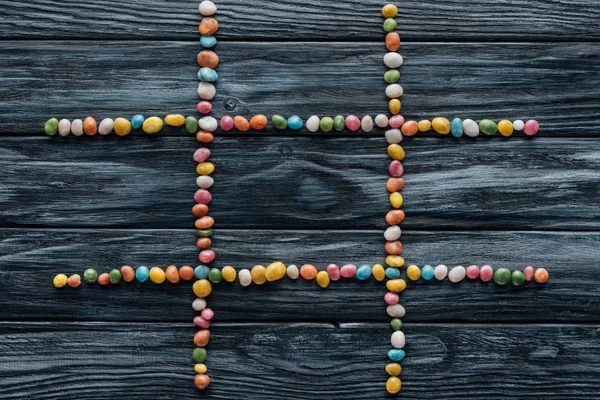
(352, 122)
(201, 322)
(528, 272)
(207, 314)
(395, 169)
(202, 196)
(473, 272)
(204, 107)
(348, 271)
(201, 154)
(396, 121)
(531, 127)
(486, 273)
(207, 256)
(334, 272)
(226, 123)
(391, 298)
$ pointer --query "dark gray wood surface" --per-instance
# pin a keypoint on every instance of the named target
(69, 204)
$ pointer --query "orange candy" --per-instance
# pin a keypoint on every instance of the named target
(394, 184)
(204, 222)
(241, 123)
(204, 243)
(392, 41)
(308, 272)
(103, 279)
(393, 248)
(394, 217)
(541, 275)
(186, 273)
(410, 128)
(90, 126)
(172, 274)
(208, 59)
(208, 26)
(204, 137)
(201, 337)
(74, 281)
(201, 381)
(258, 122)
(127, 273)
(200, 210)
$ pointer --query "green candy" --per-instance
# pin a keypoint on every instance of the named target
(502, 276)
(199, 354)
(90, 276)
(205, 232)
(396, 324)
(191, 124)
(279, 122)
(215, 275)
(518, 278)
(488, 126)
(51, 126)
(389, 24)
(114, 276)
(326, 124)
(391, 76)
(339, 123)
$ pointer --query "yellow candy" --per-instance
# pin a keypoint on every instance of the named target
(229, 274)
(59, 280)
(201, 368)
(424, 125)
(202, 288)
(505, 127)
(258, 274)
(157, 275)
(413, 272)
(395, 285)
(441, 125)
(122, 126)
(393, 369)
(152, 125)
(395, 106)
(205, 168)
(393, 385)
(175, 119)
(323, 279)
(275, 271)
(396, 200)
(378, 272)
(396, 152)
(389, 11)
(394, 261)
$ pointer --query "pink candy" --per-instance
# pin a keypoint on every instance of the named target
(396, 169)
(202, 196)
(207, 256)
(333, 271)
(348, 271)
(473, 271)
(486, 273)
(352, 122)
(201, 154)
(528, 272)
(201, 322)
(204, 107)
(396, 121)
(391, 298)
(226, 123)
(531, 127)
(207, 314)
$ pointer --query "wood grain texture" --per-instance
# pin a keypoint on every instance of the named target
(274, 361)
(30, 258)
(554, 83)
(318, 20)
(300, 182)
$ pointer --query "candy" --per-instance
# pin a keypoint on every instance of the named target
(392, 41)
(204, 232)
(308, 272)
(488, 127)
(208, 59)
(394, 91)
(51, 127)
(505, 127)
(206, 257)
(395, 169)
(323, 279)
(90, 126)
(396, 286)
(201, 272)
(204, 242)
(199, 304)
(215, 276)
(245, 277)
(152, 125)
(103, 279)
(441, 125)
(202, 154)
(473, 272)
(391, 298)
(90, 276)
(200, 210)
(393, 136)
(424, 125)
(456, 127)
(186, 273)
(204, 107)
(395, 311)
(208, 41)
(366, 123)
(393, 247)
(312, 124)
(396, 121)
(531, 127)
(410, 128)
(175, 119)
(363, 272)
(394, 184)
(394, 106)
(202, 337)
(348, 271)
(77, 127)
(398, 340)
(201, 381)
(201, 322)
(502, 276)
(540, 275)
(59, 281)
(393, 369)
(457, 274)
(74, 281)
(517, 278)
(528, 272)
(440, 272)
(64, 127)
(127, 273)
(157, 275)
(207, 314)
(396, 200)
(396, 324)
(378, 272)
(326, 124)
(199, 354)
(333, 271)
(258, 122)
(206, 90)
(413, 272)
(427, 272)
(228, 273)
(518, 125)
(208, 124)
(172, 274)
(142, 273)
(208, 26)
(352, 122)
(202, 288)
(293, 272)
(200, 368)
(394, 217)
(204, 137)
(381, 120)
(279, 122)
(389, 24)
(115, 276)
(227, 123)
(206, 74)
(258, 274)
(205, 168)
(339, 123)
(389, 11)
(137, 121)
(275, 271)
(486, 273)
(392, 273)
(122, 126)
(393, 385)
(202, 196)
(392, 60)
(207, 8)
(205, 221)
(294, 122)
(392, 233)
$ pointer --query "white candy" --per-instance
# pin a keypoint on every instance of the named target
(207, 8)
(395, 311)
(470, 128)
(77, 127)
(208, 124)
(204, 182)
(206, 90)
(199, 304)
(518, 125)
(392, 60)
(382, 121)
(366, 124)
(457, 274)
(106, 126)
(312, 124)
(245, 277)
(440, 272)
(64, 127)
(293, 272)
(392, 233)
(393, 136)
(394, 91)
(398, 339)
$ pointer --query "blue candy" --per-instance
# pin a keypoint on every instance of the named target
(208, 41)
(137, 121)
(294, 122)
(363, 272)
(396, 354)
(207, 75)
(201, 271)
(427, 272)
(392, 273)
(142, 273)
(456, 128)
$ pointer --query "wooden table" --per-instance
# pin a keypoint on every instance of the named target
(67, 204)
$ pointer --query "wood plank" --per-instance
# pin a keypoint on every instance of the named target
(555, 83)
(300, 182)
(30, 258)
(271, 361)
(313, 19)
